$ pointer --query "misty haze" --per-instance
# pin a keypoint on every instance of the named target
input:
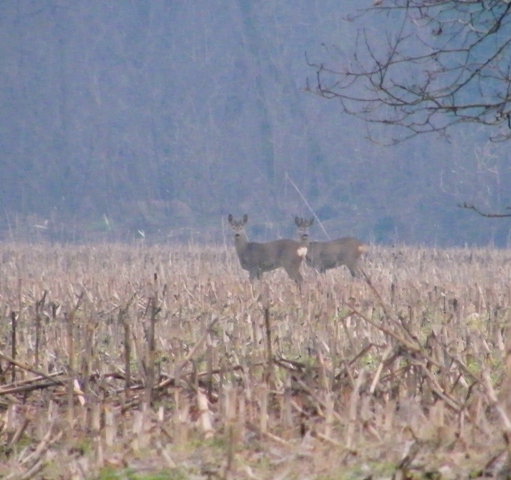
(125, 120)
(217, 261)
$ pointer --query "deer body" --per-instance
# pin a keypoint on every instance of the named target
(324, 256)
(257, 258)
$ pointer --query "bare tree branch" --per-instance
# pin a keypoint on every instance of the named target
(435, 64)
(488, 215)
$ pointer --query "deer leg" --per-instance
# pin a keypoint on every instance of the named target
(293, 270)
(353, 269)
(255, 273)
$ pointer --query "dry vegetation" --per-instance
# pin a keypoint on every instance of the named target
(165, 362)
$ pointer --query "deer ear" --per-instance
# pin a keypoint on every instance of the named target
(297, 221)
(245, 219)
(229, 218)
(311, 221)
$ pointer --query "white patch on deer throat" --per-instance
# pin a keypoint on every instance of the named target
(302, 251)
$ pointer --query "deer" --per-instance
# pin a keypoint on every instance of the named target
(264, 257)
(324, 256)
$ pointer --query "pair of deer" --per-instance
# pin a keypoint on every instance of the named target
(289, 254)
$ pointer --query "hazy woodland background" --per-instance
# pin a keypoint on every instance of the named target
(122, 119)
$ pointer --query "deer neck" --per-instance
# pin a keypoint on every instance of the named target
(304, 241)
(241, 242)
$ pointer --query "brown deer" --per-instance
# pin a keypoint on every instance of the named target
(326, 255)
(263, 257)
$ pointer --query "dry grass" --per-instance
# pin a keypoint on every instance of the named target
(133, 362)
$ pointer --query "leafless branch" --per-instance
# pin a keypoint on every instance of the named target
(483, 214)
(434, 65)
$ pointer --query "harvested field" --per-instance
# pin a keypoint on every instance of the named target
(147, 362)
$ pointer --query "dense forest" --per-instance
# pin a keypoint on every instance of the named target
(124, 120)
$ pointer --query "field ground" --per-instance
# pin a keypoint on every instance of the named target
(144, 362)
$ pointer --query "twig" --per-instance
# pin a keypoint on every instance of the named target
(13, 344)
(29, 369)
(483, 214)
(42, 447)
(494, 402)
(308, 206)
(196, 346)
(269, 354)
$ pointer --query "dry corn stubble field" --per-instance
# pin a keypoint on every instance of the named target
(147, 362)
